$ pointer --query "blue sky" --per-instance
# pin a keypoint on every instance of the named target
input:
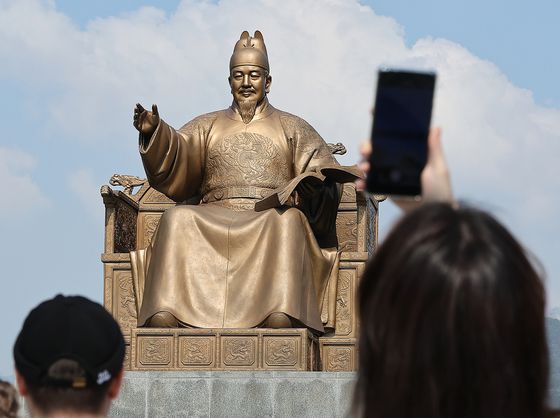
(72, 71)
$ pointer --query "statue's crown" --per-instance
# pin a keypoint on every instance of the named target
(250, 51)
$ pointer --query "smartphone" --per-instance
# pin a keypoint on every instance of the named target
(401, 122)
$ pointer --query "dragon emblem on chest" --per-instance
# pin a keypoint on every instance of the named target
(246, 158)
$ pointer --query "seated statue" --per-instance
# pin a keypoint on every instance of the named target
(251, 246)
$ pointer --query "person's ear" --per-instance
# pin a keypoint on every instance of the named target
(115, 385)
(267, 84)
(229, 81)
(20, 383)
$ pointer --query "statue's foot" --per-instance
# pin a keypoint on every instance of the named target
(278, 320)
(162, 319)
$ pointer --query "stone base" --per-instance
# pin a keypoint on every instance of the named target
(223, 349)
(338, 354)
(234, 394)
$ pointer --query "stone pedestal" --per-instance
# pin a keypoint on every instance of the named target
(235, 394)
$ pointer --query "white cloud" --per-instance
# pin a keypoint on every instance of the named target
(20, 192)
(85, 188)
(503, 147)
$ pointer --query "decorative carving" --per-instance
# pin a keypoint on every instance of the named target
(108, 292)
(128, 182)
(153, 196)
(337, 148)
(126, 308)
(224, 349)
(127, 357)
(347, 231)
(196, 351)
(371, 233)
(344, 303)
(155, 350)
(239, 351)
(281, 351)
(339, 359)
(246, 158)
(348, 193)
(125, 228)
(306, 138)
(151, 223)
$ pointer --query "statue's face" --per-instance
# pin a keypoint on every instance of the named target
(249, 83)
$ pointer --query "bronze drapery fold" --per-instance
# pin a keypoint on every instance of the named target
(220, 263)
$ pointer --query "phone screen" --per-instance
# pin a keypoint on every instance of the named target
(401, 122)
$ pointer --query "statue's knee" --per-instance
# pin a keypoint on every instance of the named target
(292, 217)
(278, 320)
(162, 319)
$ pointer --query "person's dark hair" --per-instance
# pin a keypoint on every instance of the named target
(452, 322)
(9, 404)
(51, 398)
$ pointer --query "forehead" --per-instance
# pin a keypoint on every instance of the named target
(246, 69)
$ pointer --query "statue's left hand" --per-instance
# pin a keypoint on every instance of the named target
(309, 187)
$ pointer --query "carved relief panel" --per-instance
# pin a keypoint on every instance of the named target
(281, 351)
(338, 354)
(147, 225)
(239, 351)
(339, 359)
(119, 293)
(155, 350)
(196, 351)
(126, 303)
(125, 228)
(345, 302)
(152, 196)
(348, 193)
(127, 356)
(347, 231)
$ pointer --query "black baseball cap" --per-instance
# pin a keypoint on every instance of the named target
(69, 328)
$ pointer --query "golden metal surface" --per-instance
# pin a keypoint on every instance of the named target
(221, 264)
(201, 251)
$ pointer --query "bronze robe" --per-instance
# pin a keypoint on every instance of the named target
(221, 264)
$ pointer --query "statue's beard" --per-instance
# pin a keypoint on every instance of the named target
(247, 109)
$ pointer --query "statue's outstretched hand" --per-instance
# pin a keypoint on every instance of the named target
(145, 121)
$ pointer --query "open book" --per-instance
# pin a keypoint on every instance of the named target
(336, 173)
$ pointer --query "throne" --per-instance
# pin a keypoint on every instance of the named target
(131, 219)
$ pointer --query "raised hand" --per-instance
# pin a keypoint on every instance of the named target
(436, 184)
(145, 121)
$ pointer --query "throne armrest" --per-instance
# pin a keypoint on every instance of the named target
(121, 214)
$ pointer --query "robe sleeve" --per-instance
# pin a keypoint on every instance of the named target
(174, 159)
(311, 153)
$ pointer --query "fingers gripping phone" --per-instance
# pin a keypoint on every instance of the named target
(401, 123)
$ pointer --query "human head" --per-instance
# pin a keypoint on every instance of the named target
(8, 400)
(69, 357)
(249, 76)
(452, 321)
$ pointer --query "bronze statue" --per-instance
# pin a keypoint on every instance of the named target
(225, 262)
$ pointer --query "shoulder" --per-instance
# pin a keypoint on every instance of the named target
(306, 139)
(293, 124)
(204, 121)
